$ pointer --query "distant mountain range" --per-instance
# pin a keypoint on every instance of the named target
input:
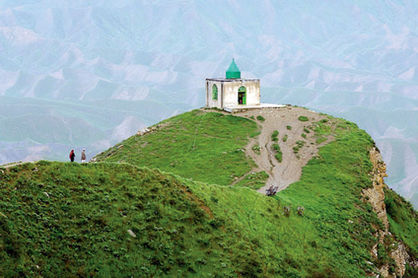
(90, 73)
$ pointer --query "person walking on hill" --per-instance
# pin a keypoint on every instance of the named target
(83, 156)
(72, 155)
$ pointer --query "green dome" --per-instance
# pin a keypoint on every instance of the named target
(233, 71)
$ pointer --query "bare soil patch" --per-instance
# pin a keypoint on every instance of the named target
(282, 174)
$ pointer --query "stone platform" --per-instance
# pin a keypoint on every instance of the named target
(240, 108)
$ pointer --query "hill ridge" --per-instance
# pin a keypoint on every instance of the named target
(188, 220)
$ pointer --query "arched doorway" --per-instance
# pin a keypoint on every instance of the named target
(242, 95)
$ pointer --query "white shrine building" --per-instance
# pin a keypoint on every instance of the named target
(232, 92)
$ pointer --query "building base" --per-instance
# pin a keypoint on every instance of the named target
(241, 108)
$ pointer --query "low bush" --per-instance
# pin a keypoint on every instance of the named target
(278, 155)
(260, 118)
(275, 147)
(256, 149)
(274, 136)
(298, 146)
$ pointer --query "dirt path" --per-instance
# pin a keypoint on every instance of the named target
(283, 173)
(8, 165)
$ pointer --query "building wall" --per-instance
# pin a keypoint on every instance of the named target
(228, 92)
(210, 102)
(231, 92)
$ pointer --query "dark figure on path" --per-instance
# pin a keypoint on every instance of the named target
(72, 155)
(272, 190)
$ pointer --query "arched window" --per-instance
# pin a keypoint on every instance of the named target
(214, 92)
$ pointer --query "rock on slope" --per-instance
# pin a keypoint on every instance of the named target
(376, 197)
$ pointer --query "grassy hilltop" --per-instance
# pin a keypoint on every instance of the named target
(118, 217)
(207, 147)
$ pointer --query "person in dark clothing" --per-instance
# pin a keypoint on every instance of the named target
(72, 155)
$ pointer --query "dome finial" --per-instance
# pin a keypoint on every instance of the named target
(233, 72)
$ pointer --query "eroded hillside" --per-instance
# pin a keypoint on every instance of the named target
(289, 138)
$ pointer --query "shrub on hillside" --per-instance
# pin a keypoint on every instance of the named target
(274, 136)
(279, 154)
(260, 118)
(256, 149)
(303, 118)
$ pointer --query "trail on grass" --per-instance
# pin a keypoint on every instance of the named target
(8, 165)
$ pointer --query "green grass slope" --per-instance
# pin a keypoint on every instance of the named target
(66, 220)
(330, 191)
(403, 219)
(330, 188)
(335, 235)
(205, 146)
